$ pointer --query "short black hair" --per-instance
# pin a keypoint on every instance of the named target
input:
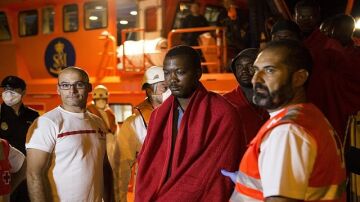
(13, 82)
(307, 4)
(297, 56)
(250, 53)
(283, 24)
(343, 19)
(191, 54)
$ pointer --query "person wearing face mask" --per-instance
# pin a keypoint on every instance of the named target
(133, 130)
(99, 106)
(15, 119)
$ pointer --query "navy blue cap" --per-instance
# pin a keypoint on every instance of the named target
(13, 82)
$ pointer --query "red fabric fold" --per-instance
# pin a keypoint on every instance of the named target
(251, 117)
(207, 141)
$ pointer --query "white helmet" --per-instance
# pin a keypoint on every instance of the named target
(100, 92)
(153, 75)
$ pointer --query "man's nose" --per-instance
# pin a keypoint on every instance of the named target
(73, 88)
(256, 78)
(173, 77)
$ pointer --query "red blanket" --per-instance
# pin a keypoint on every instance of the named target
(207, 141)
(252, 117)
(334, 85)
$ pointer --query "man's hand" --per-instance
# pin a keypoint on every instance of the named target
(231, 175)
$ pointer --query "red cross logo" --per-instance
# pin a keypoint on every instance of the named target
(6, 177)
(102, 133)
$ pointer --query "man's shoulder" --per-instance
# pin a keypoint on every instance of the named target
(219, 101)
(31, 112)
(144, 106)
(53, 115)
(94, 116)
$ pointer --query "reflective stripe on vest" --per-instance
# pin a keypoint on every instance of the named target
(239, 197)
(254, 188)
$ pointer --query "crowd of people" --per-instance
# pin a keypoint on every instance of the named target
(278, 136)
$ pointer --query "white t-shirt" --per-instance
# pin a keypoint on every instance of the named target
(77, 143)
(286, 160)
(138, 124)
(16, 159)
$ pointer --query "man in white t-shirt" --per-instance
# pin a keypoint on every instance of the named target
(294, 156)
(68, 145)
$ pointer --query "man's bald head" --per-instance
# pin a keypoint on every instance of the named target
(82, 72)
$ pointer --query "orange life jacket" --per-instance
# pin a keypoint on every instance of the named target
(145, 109)
(111, 117)
(5, 176)
(327, 179)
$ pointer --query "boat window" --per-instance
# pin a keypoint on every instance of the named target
(121, 111)
(96, 15)
(4, 28)
(71, 18)
(28, 23)
(48, 20)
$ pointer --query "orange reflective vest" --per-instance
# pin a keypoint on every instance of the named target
(5, 187)
(327, 179)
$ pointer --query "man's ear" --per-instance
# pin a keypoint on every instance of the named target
(57, 89)
(89, 87)
(300, 77)
(148, 91)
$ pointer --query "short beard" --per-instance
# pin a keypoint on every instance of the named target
(275, 99)
(245, 85)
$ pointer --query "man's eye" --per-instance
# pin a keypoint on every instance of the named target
(65, 85)
(80, 85)
(180, 72)
(269, 70)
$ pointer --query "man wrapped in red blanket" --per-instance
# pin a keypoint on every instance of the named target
(191, 137)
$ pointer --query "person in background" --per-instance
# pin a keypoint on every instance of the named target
(343, 29)
(251, 116)
(66, 147)
(190, 137)
(15, 119)
(307, 16)
(236, 32)
(194, 19)
(12, 169)
(285, 29)
(133, 131)
(333, 86)
(100, 107)
(294, 156)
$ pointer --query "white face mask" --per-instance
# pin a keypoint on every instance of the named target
(166, 95)
(11, 98)
(100, 103)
